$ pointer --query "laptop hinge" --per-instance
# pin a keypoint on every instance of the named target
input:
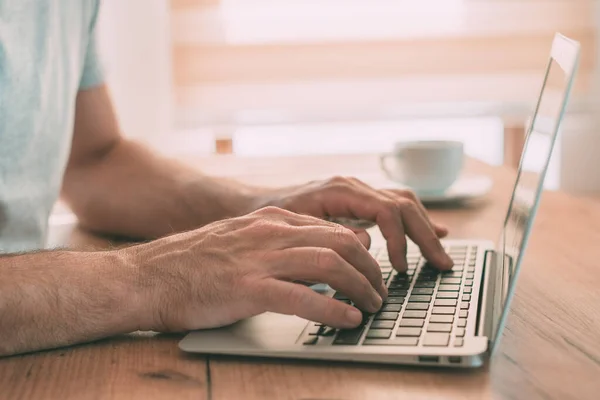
(492, 281)
(493, 293)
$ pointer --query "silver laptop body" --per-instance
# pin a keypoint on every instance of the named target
(452, 319)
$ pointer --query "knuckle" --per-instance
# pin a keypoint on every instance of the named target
(339, 183)
(405, 205)
(338, 179)
(344, 236)
(409, 194)
(271, 210)
(261, 227)
(390, 207)
(327, 258)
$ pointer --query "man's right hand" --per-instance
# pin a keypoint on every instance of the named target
(241, 267)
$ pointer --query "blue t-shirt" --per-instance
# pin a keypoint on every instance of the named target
(47, 54)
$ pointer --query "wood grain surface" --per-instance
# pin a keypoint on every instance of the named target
(550, 348)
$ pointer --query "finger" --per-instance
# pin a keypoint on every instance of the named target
(364, 238)
(440, 230)
(292, 299)
(421, 233)
(322, 265)
(391, 216)
(343, 242)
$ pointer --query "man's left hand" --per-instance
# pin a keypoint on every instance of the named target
(398, 213)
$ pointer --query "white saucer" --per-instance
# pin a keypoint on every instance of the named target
(464, 189)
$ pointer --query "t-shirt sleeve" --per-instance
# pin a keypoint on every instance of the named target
(92, 74)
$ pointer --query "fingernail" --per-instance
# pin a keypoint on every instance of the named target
(376, 301)
(449, 262)
(353, 316)
(383, 290)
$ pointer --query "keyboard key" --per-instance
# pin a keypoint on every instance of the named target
(424, 284)
(417, 306)
(394, 300)
(413, 323)
(340, 296)
(452, 274)
(392, 307)
(397, 293)
(444, 310)
(383, 324)
(398, 341)
(462, 322)
(379, 333)
(426, 291)
(402, 331)
(460, 332)
(365, 317)
(464, 305)
(436, 339)
(390, 316)
(466, 297)
(439, 327)
(349, 336)
(459, 342)
(328, 331)
(457, 268)
(311, 340)
(461, 248)
(449, 288)
(469, 282)
(452, 281)
(446, 295)
(463, 314)
(471, 269)
(445, 302)
(442, 319)
(314, 330)
(399, 285)
(470, 275)
(419, 299)
(467, 290)
(414, 314)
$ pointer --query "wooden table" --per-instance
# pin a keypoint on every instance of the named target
(550, 348)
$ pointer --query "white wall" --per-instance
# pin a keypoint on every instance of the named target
(135, 44)
(580, 150)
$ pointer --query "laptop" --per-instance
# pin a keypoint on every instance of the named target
(450, 319)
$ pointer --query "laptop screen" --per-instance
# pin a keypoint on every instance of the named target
(535, 158)
(534, 161)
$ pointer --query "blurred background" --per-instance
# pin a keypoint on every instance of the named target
(286, 77)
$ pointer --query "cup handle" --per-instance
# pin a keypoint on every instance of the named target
(383, 165)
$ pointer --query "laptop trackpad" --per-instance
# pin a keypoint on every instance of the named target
(265, 331)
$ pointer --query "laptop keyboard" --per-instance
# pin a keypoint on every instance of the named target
(424, 306)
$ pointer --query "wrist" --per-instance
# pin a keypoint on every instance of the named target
(131, 290)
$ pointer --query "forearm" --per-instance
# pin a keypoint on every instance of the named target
(53, 299)
(133, 192)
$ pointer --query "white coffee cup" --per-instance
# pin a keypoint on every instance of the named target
(426, 167)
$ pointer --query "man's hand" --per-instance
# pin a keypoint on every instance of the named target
(241, 267)
(397, 212)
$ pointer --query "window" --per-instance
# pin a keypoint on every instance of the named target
(268, 73)
(310, 75)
